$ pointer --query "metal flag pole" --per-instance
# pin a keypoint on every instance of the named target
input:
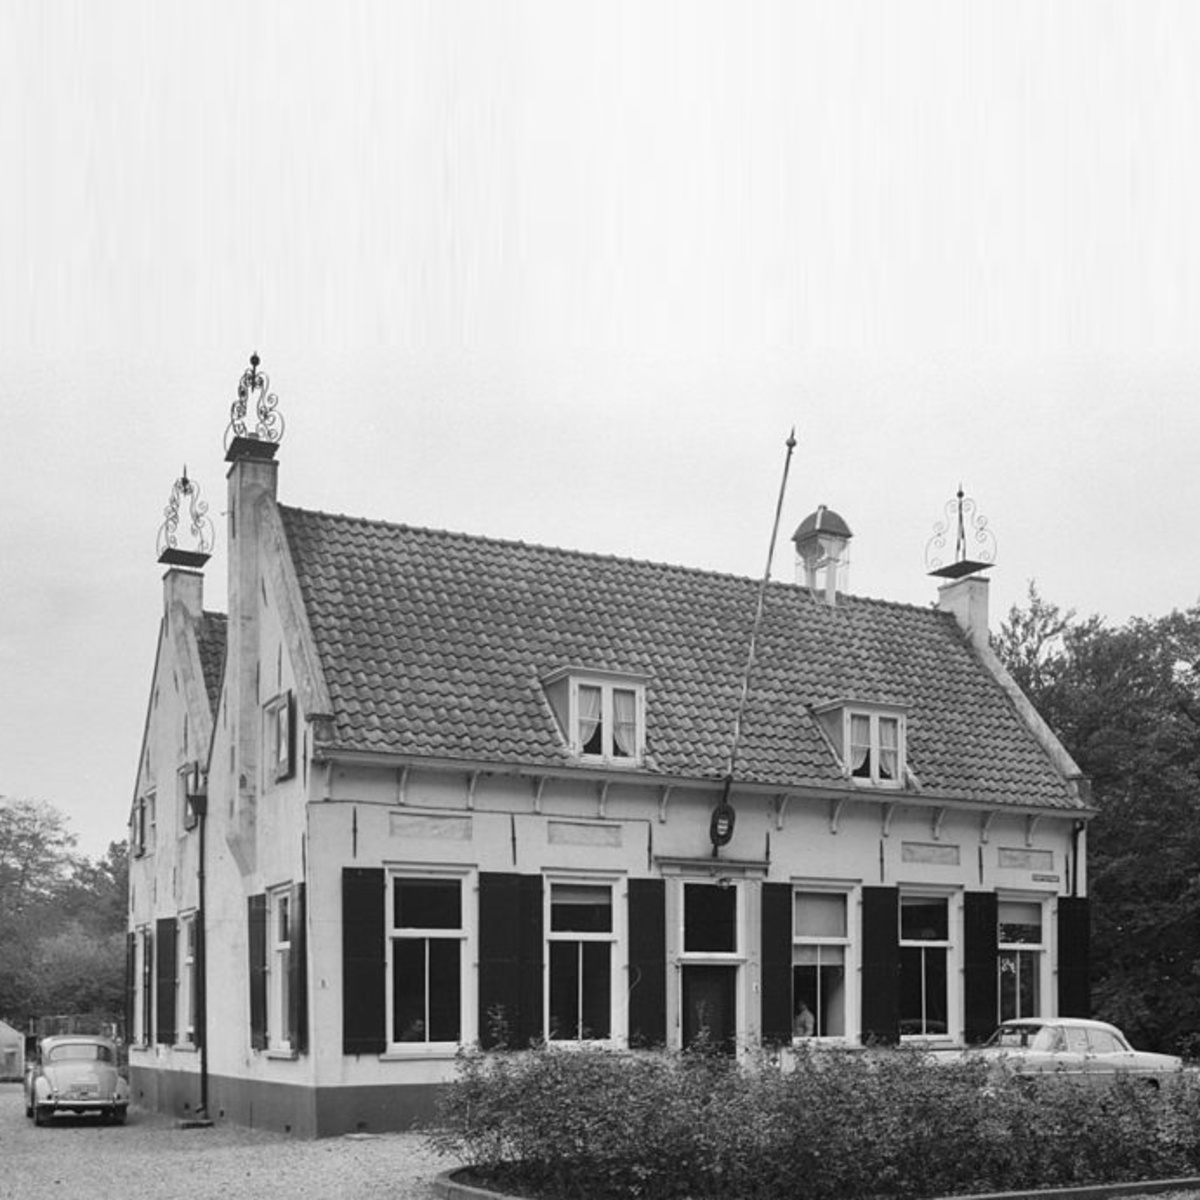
(721, 829)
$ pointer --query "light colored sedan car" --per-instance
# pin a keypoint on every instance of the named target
(1074, 1046)
(76, 1074)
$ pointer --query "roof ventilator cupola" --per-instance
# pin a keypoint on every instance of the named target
(821, 540)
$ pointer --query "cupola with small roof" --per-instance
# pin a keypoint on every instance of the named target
(821, 540)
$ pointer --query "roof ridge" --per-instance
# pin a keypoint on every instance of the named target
(595, 556)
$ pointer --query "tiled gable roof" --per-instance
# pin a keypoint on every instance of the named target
(210, 640)
(435, 644)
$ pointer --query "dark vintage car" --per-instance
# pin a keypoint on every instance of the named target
(76, 1073)
(1094, 1050)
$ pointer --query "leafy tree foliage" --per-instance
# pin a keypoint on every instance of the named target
(1126, 704)
(62, 918)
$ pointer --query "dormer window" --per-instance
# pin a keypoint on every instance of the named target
(603, 716)
(875, 749)
(869, 740)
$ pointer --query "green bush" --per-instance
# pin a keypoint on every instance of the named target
(602, 1125)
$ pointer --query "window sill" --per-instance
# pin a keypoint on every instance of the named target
(186, 1047)
(281, 1055)
(438, 1050)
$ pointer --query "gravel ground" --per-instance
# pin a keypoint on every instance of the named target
(150, 1158)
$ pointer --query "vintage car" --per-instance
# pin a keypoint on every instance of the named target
(1074, 1046)
(76, 1074)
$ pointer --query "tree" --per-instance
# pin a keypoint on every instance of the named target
(62, 917)
(35, 854)
(1126, 704)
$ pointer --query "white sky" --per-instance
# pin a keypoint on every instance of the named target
(569, 273)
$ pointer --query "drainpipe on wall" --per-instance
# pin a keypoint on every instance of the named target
(202, 965)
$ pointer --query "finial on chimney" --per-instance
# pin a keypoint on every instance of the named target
(258, 436)
(960, 514)
(200, 526)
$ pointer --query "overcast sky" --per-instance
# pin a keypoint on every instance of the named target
(568, 273)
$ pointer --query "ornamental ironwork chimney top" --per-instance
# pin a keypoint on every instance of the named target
(199, 525)
(962, 516)
(258, 434)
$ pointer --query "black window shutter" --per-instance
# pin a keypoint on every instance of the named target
(1074, 951)
(881, 964)
(499, 960)
(980, 959)
(776, 963)
(130, 987)
(199, 986)
(364, 958)
(256, 920)
(647, 962)
(289, 767)
(297, 1014)
(530, 1023)
(165, 982)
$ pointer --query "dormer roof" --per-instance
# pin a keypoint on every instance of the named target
(437, 645)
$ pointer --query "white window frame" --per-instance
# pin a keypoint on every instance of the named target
(952, 945)
(849, 945)
(682, 957)
(1040, 949)
(279, 756)
(617, 940)
(607, 687)
(874, 715)
(143, 1015)
(279, 953)
(467, 937)
(185, 998)
(145, 825)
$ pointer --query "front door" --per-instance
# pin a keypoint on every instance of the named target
(710, 1007)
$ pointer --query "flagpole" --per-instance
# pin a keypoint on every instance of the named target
(722, 823)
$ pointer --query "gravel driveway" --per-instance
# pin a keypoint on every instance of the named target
(151, 1159)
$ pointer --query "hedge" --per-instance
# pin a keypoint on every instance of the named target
(594, 1124)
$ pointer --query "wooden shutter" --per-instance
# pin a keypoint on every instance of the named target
(499, 959)
(166, 981)
(256, 920)
(297, 1013)
(647, 962)
(881, 964)
(981, 916)
(130, 987)
(364, 959)
(776, 963)
(530, 1024)
(1074, 952)
(199, 982)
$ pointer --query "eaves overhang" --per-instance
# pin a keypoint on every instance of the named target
(834, 790)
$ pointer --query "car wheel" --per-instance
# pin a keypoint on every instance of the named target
(118, 1116)
(41, 1114)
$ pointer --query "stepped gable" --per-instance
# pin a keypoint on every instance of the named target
(434, 645)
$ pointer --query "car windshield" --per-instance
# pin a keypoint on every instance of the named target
(80, 1052)
(1027, 1037)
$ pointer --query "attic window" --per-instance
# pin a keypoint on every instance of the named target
(870, 741)
(603, 717)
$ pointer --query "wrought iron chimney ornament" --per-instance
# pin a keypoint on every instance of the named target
(200, 526)
(259, 432)
(961, 515)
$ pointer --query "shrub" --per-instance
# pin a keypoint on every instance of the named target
(603, 1125)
